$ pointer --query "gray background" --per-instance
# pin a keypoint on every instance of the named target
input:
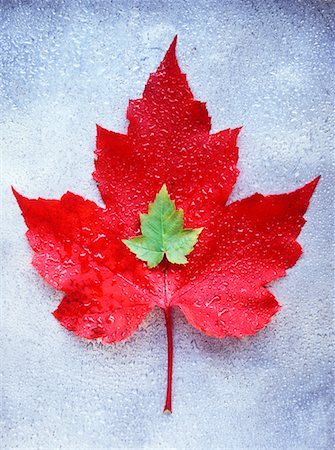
(265, 65)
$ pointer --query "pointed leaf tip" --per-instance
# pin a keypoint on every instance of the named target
(15, 192)
(315, 182)
(170, 58)
(173, 44)
(172, 47)
(164, 189)
(21, 199)
(307, 191)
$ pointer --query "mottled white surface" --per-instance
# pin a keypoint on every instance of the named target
(263, 64)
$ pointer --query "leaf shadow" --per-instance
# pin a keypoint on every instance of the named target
(252, 350)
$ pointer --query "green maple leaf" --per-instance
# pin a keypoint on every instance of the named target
(163, 233)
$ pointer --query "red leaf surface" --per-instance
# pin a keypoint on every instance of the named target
(243, 247)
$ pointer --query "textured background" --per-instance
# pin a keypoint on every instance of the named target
(263, 64)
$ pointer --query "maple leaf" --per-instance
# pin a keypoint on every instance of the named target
(163, 233)
(243, 246)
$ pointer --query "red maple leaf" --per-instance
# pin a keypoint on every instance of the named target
(243, 247)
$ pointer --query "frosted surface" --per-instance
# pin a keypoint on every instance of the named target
(263, 64)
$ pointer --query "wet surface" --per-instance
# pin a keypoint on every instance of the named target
(263, 65)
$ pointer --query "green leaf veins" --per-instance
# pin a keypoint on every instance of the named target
(163, 233)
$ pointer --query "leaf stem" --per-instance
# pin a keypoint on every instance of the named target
(168, 321)
(168, 400)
